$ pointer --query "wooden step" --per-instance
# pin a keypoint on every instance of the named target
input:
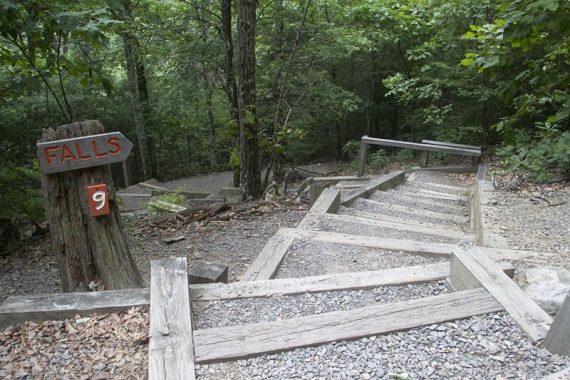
(386, 224)
(43, 307)
(415, 212)
(328, 282)
(410, 246)
(444, 199)
(269, 259)
(234, 342)
(395, 219)
(419, 201)
(412, 191)
(471, 268)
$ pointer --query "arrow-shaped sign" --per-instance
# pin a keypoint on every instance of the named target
(83, 152)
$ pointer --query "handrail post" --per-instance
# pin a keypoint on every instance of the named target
(363, 156)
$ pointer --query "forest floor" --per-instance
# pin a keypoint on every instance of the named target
(533, 217)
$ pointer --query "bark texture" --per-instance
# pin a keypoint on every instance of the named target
(250, 178)
(87, 248)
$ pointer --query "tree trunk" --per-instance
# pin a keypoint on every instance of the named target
(137, 87)
(88, 249)
(250, 176)
(230, 77)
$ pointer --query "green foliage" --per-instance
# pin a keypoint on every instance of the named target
(525, 51)
(175, 197)
(540, 153)
(21, 196)
(351, 148)
(404, 155)
(378, 160)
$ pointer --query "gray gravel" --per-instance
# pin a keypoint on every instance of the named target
(364, 229)
(390, 197)
(253, 310)
(374, 208)
(310, 258)
(452, 179)
(408, 190)
(483, 347)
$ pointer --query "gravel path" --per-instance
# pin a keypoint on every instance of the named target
(310, 258)
(114, 346)
(483, 347)
(235, 243)
(390, 196)
(364, 229)
(360, 205)
(252, 310)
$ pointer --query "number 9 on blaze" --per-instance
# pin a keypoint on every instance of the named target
(98, 200)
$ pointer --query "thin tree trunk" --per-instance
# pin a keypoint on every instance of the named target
(250, 178)
(137, 86)
(137, 109)
(230, 77)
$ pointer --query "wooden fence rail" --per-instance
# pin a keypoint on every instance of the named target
(440, 147)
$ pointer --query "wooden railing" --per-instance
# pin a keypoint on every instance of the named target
(426, 146)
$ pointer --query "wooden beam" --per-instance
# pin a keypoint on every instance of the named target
(394, 225)
(42, 307)
(471, 268)
(362, 158)
(328, 201)
(395, 219)
(431, 194)
(134, 195)
(422, 201)
(482, 171)
(482, 207)
(416, 212)
(328, 282)
(424, 147)
(385, 182)
(424, 158)
(266, 264)
(409, 246)
(152, 186)
(435, 184)
(171, 351)
(443, 143)
(470, 168)
(336, 179)
(557, 339)
(225, 343)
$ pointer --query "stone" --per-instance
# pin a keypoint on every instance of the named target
(547, 286)
(206, 272)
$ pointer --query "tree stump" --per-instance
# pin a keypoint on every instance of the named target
(88, 249)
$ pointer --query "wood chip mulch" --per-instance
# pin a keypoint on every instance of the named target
(98, 347)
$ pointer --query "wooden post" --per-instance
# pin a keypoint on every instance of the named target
(89, 249)
(557, 339)
(126, 173)
(363, 157)
(424, 158)
(171, 348)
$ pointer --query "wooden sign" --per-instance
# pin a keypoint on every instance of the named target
(83, 152)
(98, 200)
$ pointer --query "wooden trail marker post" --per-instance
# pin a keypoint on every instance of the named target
(85, 223)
